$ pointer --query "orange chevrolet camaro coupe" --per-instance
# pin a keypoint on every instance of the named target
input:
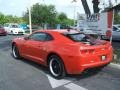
(63, 51)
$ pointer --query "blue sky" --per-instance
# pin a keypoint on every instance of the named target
(17, 7)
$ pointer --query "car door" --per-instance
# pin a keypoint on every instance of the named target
(35, 46)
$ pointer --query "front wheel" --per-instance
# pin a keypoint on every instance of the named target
(56, 67)
(11, 32)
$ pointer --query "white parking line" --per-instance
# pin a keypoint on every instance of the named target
(114, 65)
(5, 54)
(64, 82)
(57, 83)
(73, 86)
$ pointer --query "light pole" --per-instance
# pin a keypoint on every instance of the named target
(30, 21)
(74, 1)
(74, 15)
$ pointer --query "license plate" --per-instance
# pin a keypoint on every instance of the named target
(103, 58)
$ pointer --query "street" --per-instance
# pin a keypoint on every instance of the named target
(27, 75)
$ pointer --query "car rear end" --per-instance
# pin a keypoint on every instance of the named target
(95, 56)
(91, 53)
(3, 32)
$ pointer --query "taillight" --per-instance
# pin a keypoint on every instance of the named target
(87, 51)
(91, 51)
(3, 30)
(110, 47)
(83, 51)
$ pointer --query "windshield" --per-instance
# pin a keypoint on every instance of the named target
(14, 26)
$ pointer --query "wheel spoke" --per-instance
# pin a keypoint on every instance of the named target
(55, 67)
(15, 52)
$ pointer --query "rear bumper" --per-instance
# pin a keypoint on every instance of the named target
(3, 33)
(94, 65)
(76, 65)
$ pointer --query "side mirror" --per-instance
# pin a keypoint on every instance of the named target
(26, 37)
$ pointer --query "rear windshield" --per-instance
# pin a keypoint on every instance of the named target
(79, 37)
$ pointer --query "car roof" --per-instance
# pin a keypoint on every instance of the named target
(12, 23)
(63, 31)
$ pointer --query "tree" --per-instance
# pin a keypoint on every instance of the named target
(10, 19)
(63, 19)
(46, 14)
(95, 6)
(62, 16)
(41, 14)
(116, 18)
(13, 19)
(2, 18)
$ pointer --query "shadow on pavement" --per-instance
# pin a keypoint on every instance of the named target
(5, 45)
(44, 69)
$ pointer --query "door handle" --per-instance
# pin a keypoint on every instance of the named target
(41, 47)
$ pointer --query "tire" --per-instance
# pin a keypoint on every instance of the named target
(56, 67)
(102, 37)
(15, 52)
(11, 32)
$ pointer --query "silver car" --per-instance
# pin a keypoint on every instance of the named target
(115, 33)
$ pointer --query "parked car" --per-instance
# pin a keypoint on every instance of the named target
(23, 26)
(2, 31)
(115, 33)
(63, 51)
(13, 28)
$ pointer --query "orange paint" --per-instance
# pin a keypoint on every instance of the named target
(76, 56)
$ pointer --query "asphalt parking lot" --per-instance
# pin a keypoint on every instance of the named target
(27, 75)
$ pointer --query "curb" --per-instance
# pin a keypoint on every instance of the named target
(114, 65)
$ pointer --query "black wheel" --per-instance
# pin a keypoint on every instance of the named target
(102, 37)
(15, 52)
(56, 67)
(11, 32)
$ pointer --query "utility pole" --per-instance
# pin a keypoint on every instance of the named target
(95, 6)
(110, 3)
(30, 22)
(116, 1)
(74, 1)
